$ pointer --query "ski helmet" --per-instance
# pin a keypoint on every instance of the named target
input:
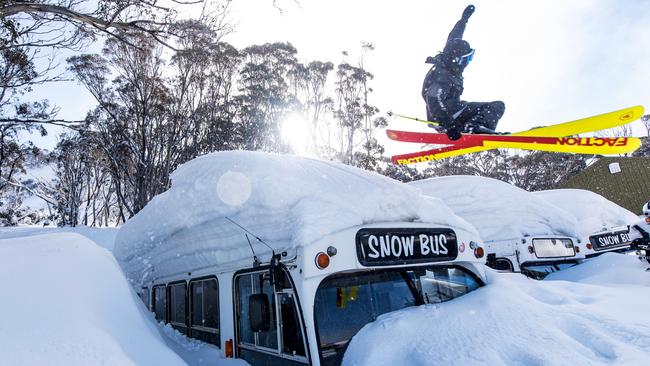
(459, 51)
(646, 209)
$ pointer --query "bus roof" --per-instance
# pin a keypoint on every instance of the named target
(499, 210)
(594, 212)
(287, 201)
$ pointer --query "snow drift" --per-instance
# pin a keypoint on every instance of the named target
(591, 314)
(68, 303)
(104, 237)
(285, 200)
(498, 209)
(594, 212)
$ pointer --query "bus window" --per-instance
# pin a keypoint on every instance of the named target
(344, 303)
(144, 295)
(283, 342)
(244, 290)
(178, 306)
(292, 342)
(257, 283)
(205, 311)
(160, 303)
(443, 284)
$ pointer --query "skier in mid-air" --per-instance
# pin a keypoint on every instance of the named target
(443, 86)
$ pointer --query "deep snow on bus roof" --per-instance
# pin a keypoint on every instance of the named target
(285, 200)
(498, 209)
(594, 212)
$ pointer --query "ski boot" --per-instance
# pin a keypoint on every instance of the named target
(474, 128)
(454, 133)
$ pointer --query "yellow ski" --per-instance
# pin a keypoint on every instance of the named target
(584, 125)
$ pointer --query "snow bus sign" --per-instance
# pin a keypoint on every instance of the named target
(377, 247)
(274, 277)
(610, 240)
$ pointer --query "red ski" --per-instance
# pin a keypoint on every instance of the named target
(477, 142)
(466, 140)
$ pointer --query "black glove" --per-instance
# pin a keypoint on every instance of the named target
(469, 10)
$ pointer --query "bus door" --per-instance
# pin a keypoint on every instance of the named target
(269, 326)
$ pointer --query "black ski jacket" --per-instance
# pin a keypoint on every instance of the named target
(443, 84)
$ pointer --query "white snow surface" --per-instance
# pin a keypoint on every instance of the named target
(68, 303)
(594, 212)
(595, 313)
(104, 237)
(287, 201)
(499, 210)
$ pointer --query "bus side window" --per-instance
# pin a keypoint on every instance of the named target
(160, 303)
(244, 291)
(178, 306)
(144, 295)
(269, 338)
(205, 311)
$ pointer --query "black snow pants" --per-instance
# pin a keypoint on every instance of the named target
(478, 114)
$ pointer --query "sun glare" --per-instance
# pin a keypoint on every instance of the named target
(295, 133)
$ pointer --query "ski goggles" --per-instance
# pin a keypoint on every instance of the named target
(466, 58)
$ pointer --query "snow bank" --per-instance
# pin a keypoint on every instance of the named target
(67, 303)
(285, 200)
(195, 352)
(497, 209)
(600, 319)
(104, 237)
(594, 212)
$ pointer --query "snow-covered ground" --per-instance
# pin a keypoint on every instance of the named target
(66, 302)
(70, 305)
(104, 237)
(592, 314)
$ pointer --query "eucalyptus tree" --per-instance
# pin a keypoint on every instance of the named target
(264, 95)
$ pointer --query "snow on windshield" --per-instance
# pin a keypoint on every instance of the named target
(285, 200)
(497, 209)
(591, 314)
(594, 212)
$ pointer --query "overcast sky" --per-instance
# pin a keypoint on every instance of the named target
(550, 61)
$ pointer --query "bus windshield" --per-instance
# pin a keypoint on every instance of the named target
(346, 302)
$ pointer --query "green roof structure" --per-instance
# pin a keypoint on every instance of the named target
(622, 180)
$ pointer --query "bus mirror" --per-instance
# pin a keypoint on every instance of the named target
(259, 312)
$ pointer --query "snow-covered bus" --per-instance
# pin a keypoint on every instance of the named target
(602, 225)
(281, 260)
(521, 232)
